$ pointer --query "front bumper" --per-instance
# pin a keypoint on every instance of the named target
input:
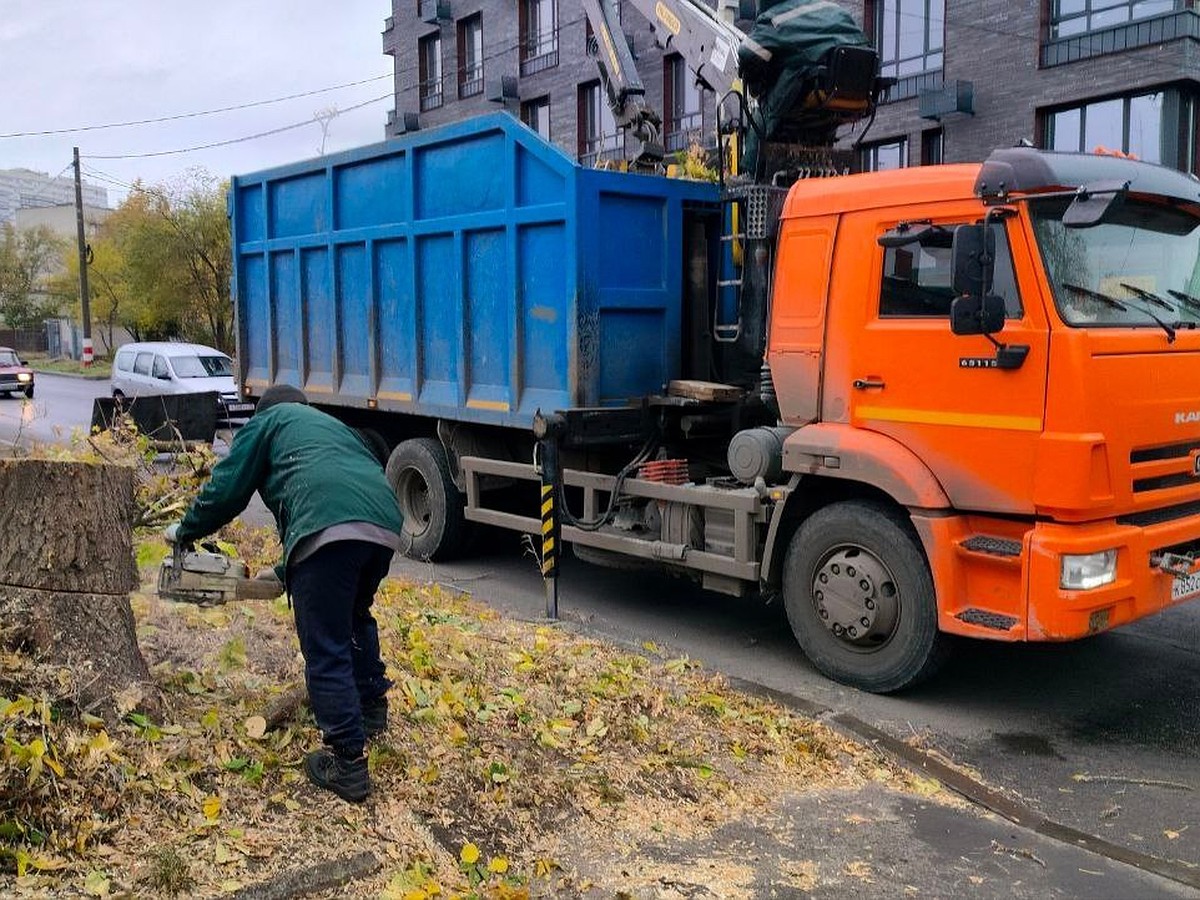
(1141, 587)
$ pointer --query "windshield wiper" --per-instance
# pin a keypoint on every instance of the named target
(1186, 299)
(1123, 305)
(1096, 295)
(1148, 296)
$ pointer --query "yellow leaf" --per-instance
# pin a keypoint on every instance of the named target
(415, 894)
(256, 727)
(469, 854)
(498, 864)
(96, 884)
(54, 765)
(47, 863)
(1170, 834)
(212, 808)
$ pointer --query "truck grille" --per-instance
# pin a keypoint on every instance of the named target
(1165, 466)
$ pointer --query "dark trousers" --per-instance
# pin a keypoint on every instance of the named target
(332, 592)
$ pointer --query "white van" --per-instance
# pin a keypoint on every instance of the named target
(166, 367)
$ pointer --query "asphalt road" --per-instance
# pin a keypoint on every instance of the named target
(1102, 735)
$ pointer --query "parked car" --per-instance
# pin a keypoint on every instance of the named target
(164, 367)
(14, 374)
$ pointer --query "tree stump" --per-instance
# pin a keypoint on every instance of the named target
(66, 570)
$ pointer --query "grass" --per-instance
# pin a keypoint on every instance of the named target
(101, 368)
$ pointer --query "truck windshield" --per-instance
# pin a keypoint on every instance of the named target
(1140, 264)
(201, 366)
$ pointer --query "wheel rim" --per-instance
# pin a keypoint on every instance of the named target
(856, 597)
(412, 493)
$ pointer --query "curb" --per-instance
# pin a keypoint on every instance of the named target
(76, 375)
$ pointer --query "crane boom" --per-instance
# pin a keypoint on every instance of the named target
(803, 71)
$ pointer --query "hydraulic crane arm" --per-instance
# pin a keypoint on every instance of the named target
(804, 70)
(619, 75)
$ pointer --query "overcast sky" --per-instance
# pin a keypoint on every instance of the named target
(68, 64)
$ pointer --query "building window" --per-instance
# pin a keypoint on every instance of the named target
(885, 155)
(1130, 124)
(470, 56)
(599, 137)
(429, 51)
(910, 35)
(539, 35)
(1068, 17)
(682, 102)
(932, 142)
(536, 114)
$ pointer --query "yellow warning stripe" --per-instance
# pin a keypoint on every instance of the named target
(548, 545)
(548, 507)
(495, 405)
(937, 417)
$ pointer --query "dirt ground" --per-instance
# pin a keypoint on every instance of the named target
(520, 761)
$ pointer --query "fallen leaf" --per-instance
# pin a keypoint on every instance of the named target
(256, 728)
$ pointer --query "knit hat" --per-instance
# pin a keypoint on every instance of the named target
(280, 393)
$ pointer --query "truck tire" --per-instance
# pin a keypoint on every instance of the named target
(860, 599)
(419, 473)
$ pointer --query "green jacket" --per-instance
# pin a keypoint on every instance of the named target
(310, 470)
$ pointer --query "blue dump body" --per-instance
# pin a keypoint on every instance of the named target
(473, 272)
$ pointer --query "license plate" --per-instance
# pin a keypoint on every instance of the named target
(1185, 585)
(240, 407)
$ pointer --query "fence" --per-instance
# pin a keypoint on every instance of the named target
(25, 340)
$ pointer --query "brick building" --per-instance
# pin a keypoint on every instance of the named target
(972, 75)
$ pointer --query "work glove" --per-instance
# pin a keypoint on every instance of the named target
(171, 534)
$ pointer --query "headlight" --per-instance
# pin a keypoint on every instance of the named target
(1089, 570)
(24, 377)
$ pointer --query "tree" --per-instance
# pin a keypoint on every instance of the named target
(160, 264)
(27, 258)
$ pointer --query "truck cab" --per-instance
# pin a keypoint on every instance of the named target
(1047, 472)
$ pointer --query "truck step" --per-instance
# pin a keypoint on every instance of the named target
(982, 543)
(985, 619)
(988, 545)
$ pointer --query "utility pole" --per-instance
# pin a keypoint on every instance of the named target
(83, 264)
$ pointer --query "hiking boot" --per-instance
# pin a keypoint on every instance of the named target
(375, 717)
(347, 778)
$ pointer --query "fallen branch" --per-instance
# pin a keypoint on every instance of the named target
(1018, 853)
(1122, 779)
(285, 706)
(312, 879)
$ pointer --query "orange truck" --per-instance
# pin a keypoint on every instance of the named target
(954, 400)
(987, 381)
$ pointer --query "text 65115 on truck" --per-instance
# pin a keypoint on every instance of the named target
(953, 400)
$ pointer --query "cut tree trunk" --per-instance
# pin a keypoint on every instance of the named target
(66, 570)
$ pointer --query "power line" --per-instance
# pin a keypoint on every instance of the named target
(231, 141)
(193, 115)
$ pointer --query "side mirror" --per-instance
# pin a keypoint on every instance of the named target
(973, 259)
(977, 315)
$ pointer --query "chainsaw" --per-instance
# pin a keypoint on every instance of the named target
(207, 577)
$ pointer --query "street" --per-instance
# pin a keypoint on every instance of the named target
(1098, 735)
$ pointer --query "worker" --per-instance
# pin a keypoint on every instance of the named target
(339, 524)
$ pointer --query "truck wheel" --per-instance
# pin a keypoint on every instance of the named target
(860, 598)
(419, 473)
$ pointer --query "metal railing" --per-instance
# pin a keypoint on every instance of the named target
(1160, 29)
(431, 94)
(470, 81)
(910, 86)
(539, 52)
(604, 147)
(683, 131)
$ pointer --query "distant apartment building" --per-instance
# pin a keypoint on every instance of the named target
(26, 189)
(971, 75)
